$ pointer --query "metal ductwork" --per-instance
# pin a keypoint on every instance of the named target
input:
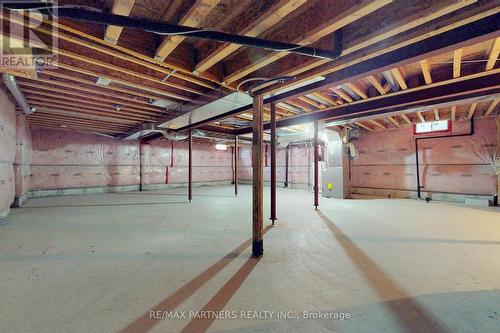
(392, 82)
(152, 128)
(11, 84)
(174, 136)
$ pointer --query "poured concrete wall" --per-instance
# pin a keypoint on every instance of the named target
(461, 165)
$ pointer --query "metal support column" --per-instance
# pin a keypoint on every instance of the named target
(190, 168)
(258, 184)
(273, 162)
(236, 154)
(316, 158)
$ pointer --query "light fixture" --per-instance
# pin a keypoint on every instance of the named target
(220, 146)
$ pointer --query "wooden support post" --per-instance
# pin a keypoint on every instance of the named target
(236, 155)
(190, 171)
(273, 162)
(316, 158)
(258, 184)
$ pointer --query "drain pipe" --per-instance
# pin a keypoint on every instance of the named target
(471, 132)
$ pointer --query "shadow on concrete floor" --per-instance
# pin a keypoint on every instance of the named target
(144, 323)
(410, 315)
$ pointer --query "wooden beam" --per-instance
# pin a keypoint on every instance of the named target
(71, 106)
(342, 94)
(406, 118)
(394, 121)
(376, 83)
(258, 178)
(161, 92)
(457, 62)
(400, 77)
(376, 123)
(478, 87)
(421, 117)
(325, 98)
(194, 18)
(453, 113)
(301, 105)
(95, 94)
(50, 112)
(495, 50)
(357, 90)
(312, 102)
(472, 109)
(33, 93)
(427, 35)
(126, 71)
(104, 90)
(327, 27)
(120, 7)
(111, 49)
(267, 20)
(492, 107)
(426, 71)
(436, 114)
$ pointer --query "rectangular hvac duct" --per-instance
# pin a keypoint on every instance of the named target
(209, 110)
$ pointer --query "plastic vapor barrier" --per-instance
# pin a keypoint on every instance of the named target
(71, 159)
(161, 166)
(462, 165)
(7, 153)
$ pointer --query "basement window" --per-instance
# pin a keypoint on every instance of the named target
(432, 126)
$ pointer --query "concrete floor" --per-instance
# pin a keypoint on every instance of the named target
(102, 262)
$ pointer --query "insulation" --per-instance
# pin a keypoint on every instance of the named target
(209, 165)
(300, 168)
(463, 165)
(24, 154)
(7, 152)
(73, 159)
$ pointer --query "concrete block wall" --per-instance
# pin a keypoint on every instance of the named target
(461, 165)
